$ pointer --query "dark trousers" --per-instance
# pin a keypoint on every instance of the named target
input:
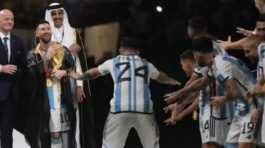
(7, 112)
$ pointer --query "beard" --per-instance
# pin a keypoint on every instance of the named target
(202, 63)
(58, 22)
(45, 40)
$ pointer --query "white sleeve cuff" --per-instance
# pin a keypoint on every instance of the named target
(79, 83)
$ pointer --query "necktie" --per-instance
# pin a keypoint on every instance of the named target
(6, 47)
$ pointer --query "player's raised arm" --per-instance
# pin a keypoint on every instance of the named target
(160, 77)
(193, 77)
(196, 85)
(165, 79)
(89, 74)
(231, 91)
(258, 90)
(177, 112)
(232, 84)
(232, 45)
(93, 73)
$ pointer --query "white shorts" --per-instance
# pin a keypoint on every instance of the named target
(242, 130)
(259, 138)
(213, 130)
(263, 127)
(59, 120)
(118, 126)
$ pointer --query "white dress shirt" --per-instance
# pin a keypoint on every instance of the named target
(58, 35)
(2, 36)
(8, 46)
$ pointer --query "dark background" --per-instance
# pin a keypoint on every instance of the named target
(165, 36)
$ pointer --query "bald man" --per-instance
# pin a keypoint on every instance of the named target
(12, 60)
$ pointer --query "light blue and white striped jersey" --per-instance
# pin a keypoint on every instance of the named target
(228, 67)
(217, 49)
(212, 89)
(260, 69)
(205, 94)
(261, 62)
(131, 75)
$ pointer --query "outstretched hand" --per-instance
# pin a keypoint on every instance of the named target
(218, 100)
(255, 115)
(175, 82)
(74, 75)
(259, 90)
(173, 97)
(244, 32)
(225, 44)
(175, 113)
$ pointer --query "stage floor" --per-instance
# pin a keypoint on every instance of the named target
(19, 140)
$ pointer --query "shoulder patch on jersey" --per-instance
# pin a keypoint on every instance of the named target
(261, 48)
(233, 60)
(262, 51)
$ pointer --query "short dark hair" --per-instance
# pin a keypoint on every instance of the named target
(42, 22)
(198, 23)
(37, 25)
(131, 42)
(187, 55)
(202, 44)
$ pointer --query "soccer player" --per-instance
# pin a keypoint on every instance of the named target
(236, 80)
(213, 129)
(131, 105)
(57, 62)
(198, 27)
(258, 54)
(179, 110)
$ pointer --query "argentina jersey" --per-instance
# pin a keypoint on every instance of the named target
(217, 49)
(260, 68)
(204, 94)
(261, 62)
(228, 67)
(131, 75)
(212, 89)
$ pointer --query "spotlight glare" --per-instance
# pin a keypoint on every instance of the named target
(159, 9)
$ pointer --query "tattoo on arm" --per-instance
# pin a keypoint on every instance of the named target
(165, 79)
(232, 89)
(90, 74)
(197, 84)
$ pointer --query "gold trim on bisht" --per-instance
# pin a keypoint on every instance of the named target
(55, 55)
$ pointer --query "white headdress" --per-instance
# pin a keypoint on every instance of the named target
(69, 36)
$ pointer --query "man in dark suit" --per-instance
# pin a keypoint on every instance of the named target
(12, 60)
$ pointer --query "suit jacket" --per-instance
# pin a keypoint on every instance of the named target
(18, 58)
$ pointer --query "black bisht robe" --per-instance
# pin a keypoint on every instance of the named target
(33, 112)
